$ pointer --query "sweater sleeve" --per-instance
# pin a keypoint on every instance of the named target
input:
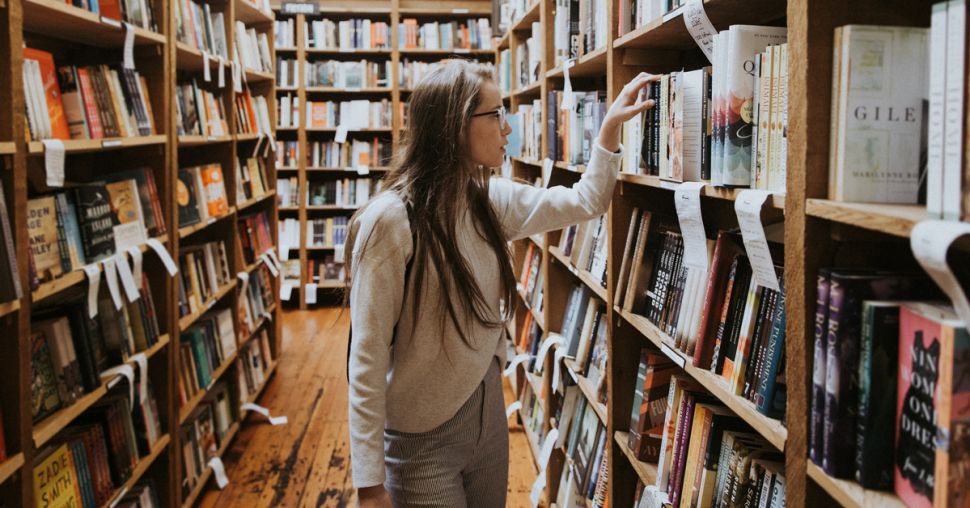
(380, 256)
(525, 210)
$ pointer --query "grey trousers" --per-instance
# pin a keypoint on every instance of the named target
(464, 462)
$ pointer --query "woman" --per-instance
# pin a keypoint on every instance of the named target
(430, 266)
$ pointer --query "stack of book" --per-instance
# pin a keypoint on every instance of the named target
(533, 277)
(254, 304)
(583, 329)
(255, 358)
(200, 28)
(202, 194)
(352, 154)
(284, 33)
(348, 34)
(356, 114)
(634, 14)
(582, 438)
(529, 56)
(411, 72)
(526, 137)
(203, 348)
(288, 191)
(287, 154)
(328, 233)
(287, 72)
(505, 71)
(203, 271)
(578, 29)
(252, 49)
(289, 112)
(255, 236)
(199, 111)
(472, 34)
(252, 114)
(586, 245)
(341, 74)
(202, 434)
(326, 269)
(348, 192)
(140, 13)
(571, 132)
(84, 102)
(251, 179)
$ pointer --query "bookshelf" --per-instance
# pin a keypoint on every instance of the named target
(75, 36)
(817, 231)
(306, 174)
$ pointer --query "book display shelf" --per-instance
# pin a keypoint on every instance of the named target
(814, 231)
(327, 80)
(185, 327)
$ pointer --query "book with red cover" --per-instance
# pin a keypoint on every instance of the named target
(726, 249)
(55, 106)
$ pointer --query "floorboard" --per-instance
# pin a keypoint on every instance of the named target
(306, 463)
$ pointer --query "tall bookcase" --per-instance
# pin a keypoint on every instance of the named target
(388, 11)
(77, 36)
(817, 232)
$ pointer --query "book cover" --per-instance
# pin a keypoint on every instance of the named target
(97, 221)
(126, 205)
(43, 379)
(185, 197)
(215, 190)
(52, 91)
(55, 480)
(45, 251)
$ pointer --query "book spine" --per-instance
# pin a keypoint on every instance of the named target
(841, 353)
(767, 399)
(878, 351)
(816, 424)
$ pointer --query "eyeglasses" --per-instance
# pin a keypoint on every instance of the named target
(501, 113)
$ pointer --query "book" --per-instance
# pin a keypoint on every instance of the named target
(45, 251)
(50, 89)
(186, 197)
(55, 479)
(43, 379)
(125, 199)
(97, 221)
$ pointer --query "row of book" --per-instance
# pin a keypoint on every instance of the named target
(288, 192)
(348, 75)
(252, 181)
(354, 153)
(69, 349)
(504, 71)
(584, 332)
(885, 348)
(203, 348)
(140, 13)
(255, 236)
(252, 114)
(252, 49)
(326, 269)
(258, 297)
(586, 245)
(199, 27)
(328, 233)
(583, 439)
(511, 10)
(284, 33)
(84, 102)
(577, 30)
(89, 222)
(203, 271)
(705, 455)
(199, 112)
(202, 434)
(355, 114)
(201, 194)
(721, 317)
(10, 287)
(472, 34)
(528, 56)
(255, 359)
(287, 154)
(347, 192)
(532, 278)
(525, 140)
(571, 132)
(88, 462)
(343, 35)
(634, 14)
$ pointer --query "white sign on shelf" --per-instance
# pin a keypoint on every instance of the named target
(163, 254)
(221, 64)
(547, 164)
(687, 200)
(111, 22)
(341, 135)
(136, 265)
(512, 408)
(273, 420)
(93, 272)
(54, 158)
(117, 372)
(748, 208)
(286, 291)
(128, 54)
(219, 472)
(700, 27)
(111, 277)
(568, 97)
(127, 280)
(516, 360)
(311, 293)
(206, 72)
(930, 241)
(142, 362)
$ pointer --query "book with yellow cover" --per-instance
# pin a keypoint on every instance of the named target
(55, 480)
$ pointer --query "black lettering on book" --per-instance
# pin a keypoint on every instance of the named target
(915, 452)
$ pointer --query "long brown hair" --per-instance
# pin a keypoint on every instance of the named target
(433, 175)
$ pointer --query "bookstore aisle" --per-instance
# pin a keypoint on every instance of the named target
(306, 462)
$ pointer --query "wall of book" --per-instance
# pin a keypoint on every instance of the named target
(764, 338)
(344, 76)
(138, 219)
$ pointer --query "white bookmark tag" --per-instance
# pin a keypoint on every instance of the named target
(547, 164)
(142, 362)
(111, 22)
(553, 340)
(219, 472)
(119, 371)
(93, 272)
(512, 408)
(222, 72)
(748, 207)
(700, 27)
(341, 136)
(136, 265)
(514, 363)
(127, 281)
(206, 72)
(556, 371)
(930, 241)
(128, 58)
(111, 277)
(273, 420)
(363, 169)
(547, 446)
(536, 494)
(311, 293)
(687, 199)
(339, 253)
(568, 97)
(54, 161)
(163, 254)
(286, 291)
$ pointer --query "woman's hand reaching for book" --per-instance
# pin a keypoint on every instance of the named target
(630, 102)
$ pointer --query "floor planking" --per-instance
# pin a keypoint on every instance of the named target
(306, 463)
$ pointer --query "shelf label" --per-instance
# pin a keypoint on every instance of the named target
(142, 362)
(163, 254)
(311, 293)
(221, 64)
(748, 208)
(128, 58)
(363, 169)
(536, 493)
(111, 22)
(54, 162)
(673, 355)
(111, 277)
(299, 8)
(127, 280)
(244, 277)
(136, 264)
(463, 50)
(512, 408)
(259, 141)
(269, 264)
(568, 98)
(557, 369)
(286, 291)
(219, 472)
(930, 241)
(93, 272)
(459, 11)
(516, 360)
(206, 72)
(339, 254)
(116, 373)
(700, 27)
(547, 446)
(236, 77)
(547, 164)
(341, 136)
(110, 143)
(273, 420)
(687, 199)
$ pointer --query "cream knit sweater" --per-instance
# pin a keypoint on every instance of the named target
(422, 380)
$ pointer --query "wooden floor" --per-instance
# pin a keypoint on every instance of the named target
(306, 463)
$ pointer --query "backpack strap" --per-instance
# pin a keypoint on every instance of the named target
(407, 277)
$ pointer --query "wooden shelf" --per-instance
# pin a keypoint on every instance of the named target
(587, 388)
(572, 168)
(329, 208)
(355, 90)
(287, 89)
(524, 22)
(446, 52)
(64, 21)
(669, 31)
(249, 14)
(503, 43)
(192, 60)
(530, 162)
(318, 248)
(7, 148)
(10, 466)
(532, 89)
(50, 426)
(98, 145)
(318, 169)
(193, 140)
(48, 289)
(285, 49)
(331, 284)
(356, 52)
(246, 137)
(188, 320)
(201, 481)
(255, 201)
(444, 12)
(381, 130)
(770, 429)
(186, 410)
(776, 201)
(584, 276)
(850, 494)
(896, 220)
(140, 469)
(9, 308)
(267, 374)
(195, 228)
(254, 76)
(592, 64)
(289, 209)
(645, 471)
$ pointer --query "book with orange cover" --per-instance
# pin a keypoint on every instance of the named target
(55, 106)
(215, 190)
